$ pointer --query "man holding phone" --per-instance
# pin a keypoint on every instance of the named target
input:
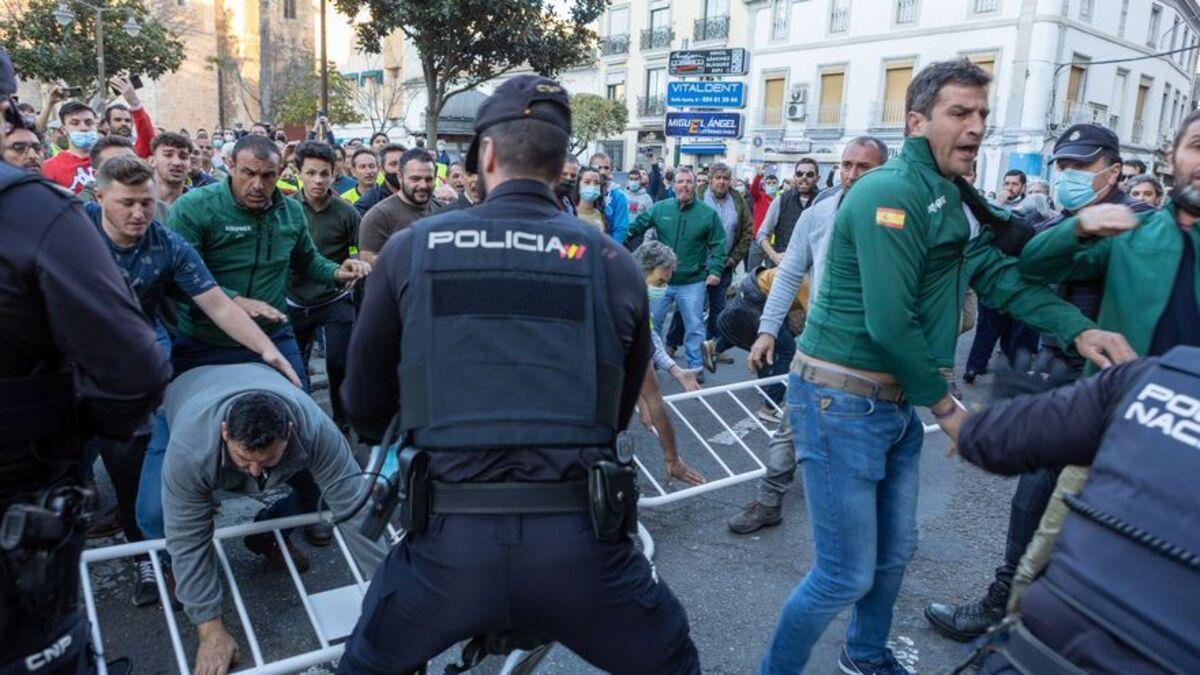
(130, 121)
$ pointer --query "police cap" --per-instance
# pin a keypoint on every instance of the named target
(1085, 142)
(514, 100)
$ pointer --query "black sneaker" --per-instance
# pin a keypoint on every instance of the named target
(969, 376)
(888, 666)
(967, 622)
(318, 534)
(145, 590)
(754, 517)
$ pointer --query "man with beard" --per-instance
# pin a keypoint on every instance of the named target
(390, 158)
(132, 121)
(23, 148)
(782, 215)
(409, 204)
(170, 155)
(898, 260)
(566, 185)
(616, 202)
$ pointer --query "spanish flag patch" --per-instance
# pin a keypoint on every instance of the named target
(893, 218)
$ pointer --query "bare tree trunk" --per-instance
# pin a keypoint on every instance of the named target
(433, 106)
(266, 61)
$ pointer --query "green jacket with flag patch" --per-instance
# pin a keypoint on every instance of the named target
(899, 261)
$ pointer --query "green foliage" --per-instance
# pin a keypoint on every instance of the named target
(464, 43)
(302, 98)
(43, 50)
(595, 117)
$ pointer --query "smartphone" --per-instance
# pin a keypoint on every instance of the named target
(136, 81)
(72, 92)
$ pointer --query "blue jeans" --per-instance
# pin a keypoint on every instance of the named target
(689, 300)
(860, 460)
(715, 295)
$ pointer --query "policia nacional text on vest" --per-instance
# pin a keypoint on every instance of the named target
(1128, 555)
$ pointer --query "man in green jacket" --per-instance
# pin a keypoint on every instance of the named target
(333, 226)
(738, 222)
(899, 259)
(1149, 265)
(694, 231)
(250, 237)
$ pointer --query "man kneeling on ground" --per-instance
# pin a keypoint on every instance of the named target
(244, 428)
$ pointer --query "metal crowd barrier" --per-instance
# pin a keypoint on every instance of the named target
(333, 613)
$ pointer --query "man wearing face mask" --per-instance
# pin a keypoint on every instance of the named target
(390, 158)
(639, 200)
(73, 169)
(763, 189)
(565, 189)
(408, 205)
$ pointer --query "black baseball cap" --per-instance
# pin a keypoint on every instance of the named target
(1085, 142)
(514, 100)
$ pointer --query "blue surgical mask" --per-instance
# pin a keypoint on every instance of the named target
(656, 292)
(1073, 188)
(634, 187)
(84, 140)
(589, 193)
(218, 144)
(771, 190)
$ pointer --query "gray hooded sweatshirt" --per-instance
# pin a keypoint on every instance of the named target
(197, 465)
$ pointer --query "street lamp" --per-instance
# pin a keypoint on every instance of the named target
(64, 16)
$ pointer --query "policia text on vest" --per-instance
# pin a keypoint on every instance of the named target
(1121, 590)
(512, 340)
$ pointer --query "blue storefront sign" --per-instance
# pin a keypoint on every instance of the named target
(706, 94)
(704, 125)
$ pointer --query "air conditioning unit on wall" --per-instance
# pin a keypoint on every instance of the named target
(796, 112)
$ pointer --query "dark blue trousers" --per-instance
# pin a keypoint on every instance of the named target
(544, 575)
(993, 326)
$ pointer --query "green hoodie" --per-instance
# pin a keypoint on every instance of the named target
(1138, 269)
(695, 233)
(248, 252)
(899, 259)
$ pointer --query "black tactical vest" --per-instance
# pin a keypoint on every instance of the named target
(1128, 556)
(508, 336)
(789, 212)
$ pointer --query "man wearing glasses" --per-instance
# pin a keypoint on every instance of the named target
(23, 149)
(777, 226)
(1129, 169)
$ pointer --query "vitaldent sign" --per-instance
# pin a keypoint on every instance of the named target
(690, 94)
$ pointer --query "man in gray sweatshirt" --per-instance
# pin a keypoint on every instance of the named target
(244, 429)
(805, 255)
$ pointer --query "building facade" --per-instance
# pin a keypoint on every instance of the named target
(842, 67)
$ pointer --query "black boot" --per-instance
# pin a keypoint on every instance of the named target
(967, 622)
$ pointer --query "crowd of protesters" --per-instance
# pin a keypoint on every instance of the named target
(246, 245)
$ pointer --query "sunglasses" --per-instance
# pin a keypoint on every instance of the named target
(21, 147)
(806, 174)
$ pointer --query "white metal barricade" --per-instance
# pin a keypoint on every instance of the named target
(333, 613)
(741, 413)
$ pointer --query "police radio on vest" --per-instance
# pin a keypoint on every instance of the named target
(512, 239)
(1179, 418)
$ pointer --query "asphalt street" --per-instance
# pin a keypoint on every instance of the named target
(732, 586)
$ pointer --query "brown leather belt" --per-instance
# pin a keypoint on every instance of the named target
(849, 382)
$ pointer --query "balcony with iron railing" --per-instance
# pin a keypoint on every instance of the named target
(982, 6)
(830, 116)
(614, 45)
(1078, 112)
(887, 115)
(652, 106)
(657, 38)
(839, 20)
(712, 28)
(906, 11)
(1139, 130)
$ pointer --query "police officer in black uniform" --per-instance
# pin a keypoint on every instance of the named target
(1121, 593)
(77, 357)
(513, 340)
